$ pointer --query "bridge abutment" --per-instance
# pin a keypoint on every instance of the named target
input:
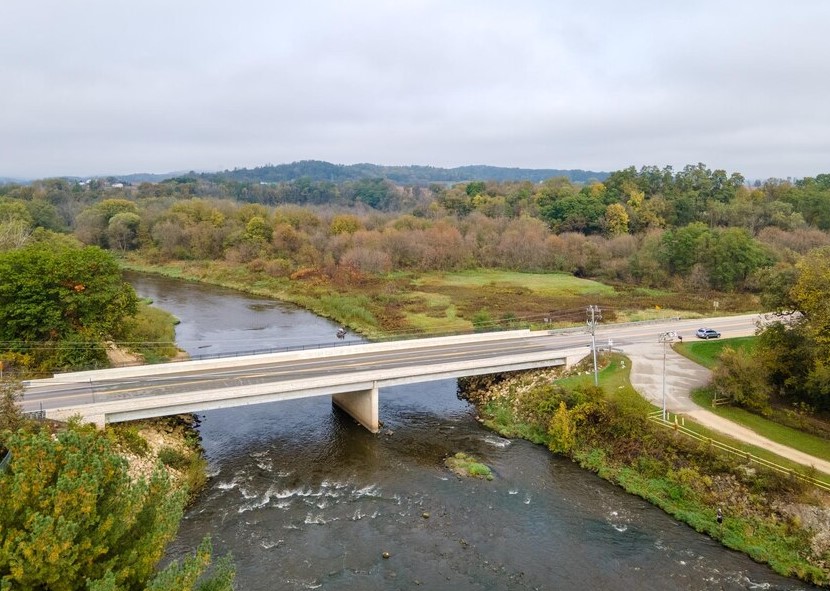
(99, 420)
(362, 406)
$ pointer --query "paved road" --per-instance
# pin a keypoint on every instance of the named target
(194, 378)
(639, 341)
(683, 376)
(84, 388)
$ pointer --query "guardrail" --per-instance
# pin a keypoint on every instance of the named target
(656, 417)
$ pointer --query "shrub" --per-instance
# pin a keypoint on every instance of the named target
(173, 458)
(130, 439)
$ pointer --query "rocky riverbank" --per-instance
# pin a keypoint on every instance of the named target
(172, 442)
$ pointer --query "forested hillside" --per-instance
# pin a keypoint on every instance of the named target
(315, 170)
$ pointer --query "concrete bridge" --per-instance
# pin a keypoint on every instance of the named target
(352, 376)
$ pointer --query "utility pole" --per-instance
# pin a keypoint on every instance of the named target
(665, 337)
(594, 315)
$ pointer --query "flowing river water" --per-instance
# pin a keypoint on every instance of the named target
(304, 498)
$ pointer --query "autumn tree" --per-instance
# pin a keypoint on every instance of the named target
(811, 294)
(344, 224)
(616, 220)
(92, 224)
(795, 351)
(522, 245)
(72, 518)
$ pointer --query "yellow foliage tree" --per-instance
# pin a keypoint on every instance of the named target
(562, 430)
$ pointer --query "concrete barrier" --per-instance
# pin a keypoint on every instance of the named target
(118, 373)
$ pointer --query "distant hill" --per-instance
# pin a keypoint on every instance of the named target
(317, 170)
(146, 177)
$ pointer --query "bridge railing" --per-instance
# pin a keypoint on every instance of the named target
(266, 350)
(657, 418)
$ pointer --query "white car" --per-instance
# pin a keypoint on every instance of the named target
(707, 333)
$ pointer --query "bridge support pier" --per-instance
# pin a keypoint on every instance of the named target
(362, 406)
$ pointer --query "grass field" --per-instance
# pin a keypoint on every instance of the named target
(558, 284)
(706, 353)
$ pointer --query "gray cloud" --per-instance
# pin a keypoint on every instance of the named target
(99, 87)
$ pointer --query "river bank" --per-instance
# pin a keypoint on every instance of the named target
(600, 461)
(172, 442)
(773, 519)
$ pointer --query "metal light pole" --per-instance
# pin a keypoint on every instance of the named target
(665, 337)
(594, 315)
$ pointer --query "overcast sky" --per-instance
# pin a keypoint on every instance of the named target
(99, 87)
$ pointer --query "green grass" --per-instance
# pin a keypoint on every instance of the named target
(804, 442)
(706, 353)
(543, 283)
(437, 325)
(352, 309)
(754, 450)
(614, 379)
(466, 465)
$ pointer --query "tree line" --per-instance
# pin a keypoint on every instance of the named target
(694, 229)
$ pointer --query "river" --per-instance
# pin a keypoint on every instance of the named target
(304, 498)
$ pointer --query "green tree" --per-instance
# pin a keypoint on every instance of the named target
(684, 247)
(581, 212)
(189, 574)
(71, 514)
(732, 256)
(786, 355)
(51, 292)
(739, 377)
(776, 282)
(475, 188)
(72, 518)
(93, 224)
(122, 231)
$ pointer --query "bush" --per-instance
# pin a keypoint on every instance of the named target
(130, 439)
(740, 377)
(174, 458)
